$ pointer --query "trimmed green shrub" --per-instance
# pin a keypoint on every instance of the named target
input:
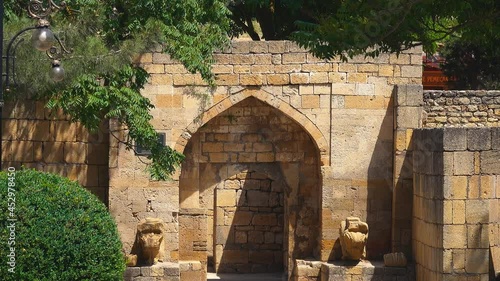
(62, 231)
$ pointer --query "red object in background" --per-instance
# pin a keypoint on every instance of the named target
(433, 77)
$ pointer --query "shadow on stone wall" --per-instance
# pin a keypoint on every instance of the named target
(34, 137)
(379, 190)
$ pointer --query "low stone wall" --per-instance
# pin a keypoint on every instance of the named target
(365, 270)
(462, 108)
(306, 270)
(192, 271)
(164, 271)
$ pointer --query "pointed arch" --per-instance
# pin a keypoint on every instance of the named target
(318, 138)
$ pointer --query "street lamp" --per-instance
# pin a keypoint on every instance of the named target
(43, 39)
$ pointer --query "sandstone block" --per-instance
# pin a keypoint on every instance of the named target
(495, 138)
(409, 117)
(454, 236)
(265, 157)
(242, 218)
(455, 139)
(336, 77)
(278, 79)
(478, 139)
(317, 67)
(490, 162)
(169, 101)
(75, 152)
(477, 211)
(256, 237)
(222, 69)
(258, 47)
(399, 59)
(263, 59)
(257, 198)
(356, 77)
(463, 163)
(386, 70)
(318, 77)
(475, 260)
(364, 102)
(251, 79)
(299, 78)
(347, 67)
(227, 79)
(53, 152)
(159, 58)
(154, 68)
(458, 211)
(176, 69)
(265, 219)
(276, 47)
(414, 95)
(292, 58)
(241, 237)
(263, 257)
(240, 47)
(226, 198)
(411, 71)
(368, 67)
(236, 256)
(477, 236)
(161, 79)
(310, 101)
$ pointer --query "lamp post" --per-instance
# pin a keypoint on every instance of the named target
(43, 39)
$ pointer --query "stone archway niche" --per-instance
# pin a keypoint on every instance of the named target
(250, 192)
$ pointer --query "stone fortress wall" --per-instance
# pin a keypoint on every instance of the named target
(324, 127)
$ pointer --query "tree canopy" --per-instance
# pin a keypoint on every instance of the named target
(347, 28)
(102, 82)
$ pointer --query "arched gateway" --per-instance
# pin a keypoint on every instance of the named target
(251, 181)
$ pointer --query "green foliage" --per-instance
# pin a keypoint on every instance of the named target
(101, 81)
(370, 27)
(474, 65)
(348, 28)
(276, 18)
(62, 232)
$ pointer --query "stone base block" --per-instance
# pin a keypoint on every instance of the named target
(164, 271)
(306, 270)
(192, 271)
(365, 270)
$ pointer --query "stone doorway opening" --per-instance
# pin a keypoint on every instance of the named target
(250, 192)
(249, 221)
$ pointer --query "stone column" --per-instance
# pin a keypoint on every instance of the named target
(408, 116)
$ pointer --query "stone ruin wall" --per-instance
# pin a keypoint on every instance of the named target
(346, 108)
(456, 203)
(461, 108)
(37, 138)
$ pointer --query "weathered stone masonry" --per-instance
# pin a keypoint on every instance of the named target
(35, 137)
(462, 108)
(337, 164)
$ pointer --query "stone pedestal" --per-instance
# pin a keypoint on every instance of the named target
(164, 271)
(365, 270)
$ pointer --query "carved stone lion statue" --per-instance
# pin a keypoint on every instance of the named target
(353, 237)
(149, 245)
